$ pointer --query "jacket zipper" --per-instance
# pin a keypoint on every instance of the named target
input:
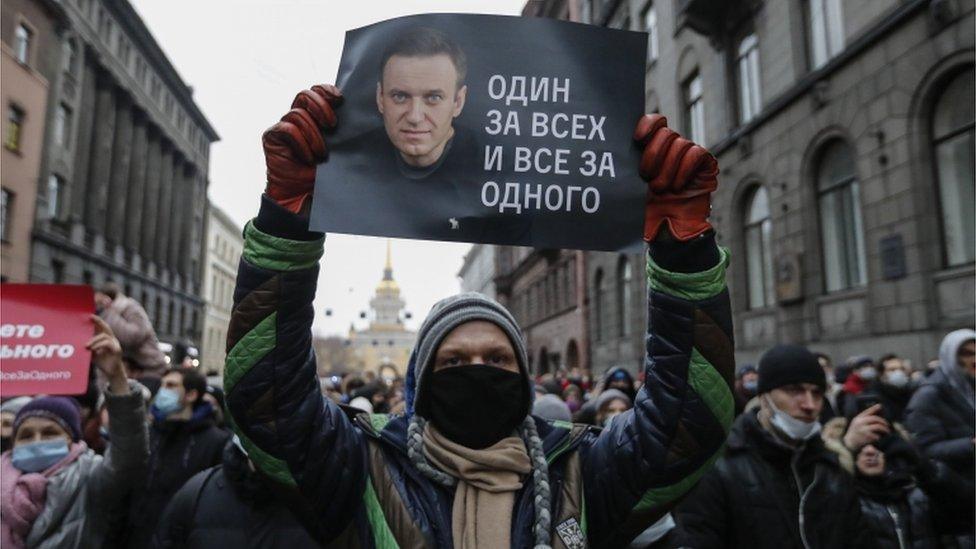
(894, 518)
(805, 493)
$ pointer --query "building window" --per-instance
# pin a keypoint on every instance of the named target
(826, 30)
(55, 190)
(650, 27)
(953, 142)
(598, 305)
(841, 231)
(747, 67)
(62, 125)
(23, 42)
(15, 126)
(6, 208)
(759, 258)
(57, 271)
(694, 122)
(624, 296)
(69, 56)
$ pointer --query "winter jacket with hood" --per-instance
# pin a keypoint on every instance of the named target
(941, 415)
(179, 449)
(81, 497)
(135, 332)
(762, 494)
(605, 487)
(230, 505)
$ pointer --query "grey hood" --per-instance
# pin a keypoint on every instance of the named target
(949, 365)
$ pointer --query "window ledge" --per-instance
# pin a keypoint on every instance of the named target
(842, 295)
(759, 311)
(958, 271)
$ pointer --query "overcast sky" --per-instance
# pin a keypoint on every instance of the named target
(246, 59)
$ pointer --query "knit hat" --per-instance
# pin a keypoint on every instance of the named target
(552, 408)
(789, 364)
(61, 410)
(612, 394)
(444, 316)
(14, 405)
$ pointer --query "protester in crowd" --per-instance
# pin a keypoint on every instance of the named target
(892, 389)
(907, 500)
(55, 492)
(777, 485)
(214, 396)
(232, 505)
(573, 397)
(552, 408)
(833, 387)
(610, 404)
(132, 327)
(614, 378)
(467, 465)
(746, 383)
(184, 440)
(941, 414)
(8, 411)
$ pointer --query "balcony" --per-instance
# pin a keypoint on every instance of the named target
(715, 19)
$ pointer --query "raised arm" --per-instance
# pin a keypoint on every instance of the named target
(651, 456)
(274, 405)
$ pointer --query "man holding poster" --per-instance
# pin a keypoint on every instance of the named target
(467, 465)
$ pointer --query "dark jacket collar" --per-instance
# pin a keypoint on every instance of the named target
(748, 435)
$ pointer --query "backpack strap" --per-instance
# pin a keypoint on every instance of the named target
(185, 504)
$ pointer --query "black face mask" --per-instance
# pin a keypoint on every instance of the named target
(6, 443)
(476, 405)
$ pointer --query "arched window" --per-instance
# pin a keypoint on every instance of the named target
(598, 305)
(758, 240)
(624, 293)
(841, 231)
(952, 141)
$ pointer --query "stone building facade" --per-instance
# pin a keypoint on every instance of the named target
(844, 131)
(477, 273)
(126, 161)
(225, 244)
(545, 291)
(30, 37)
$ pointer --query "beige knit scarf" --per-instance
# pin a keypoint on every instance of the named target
(487, 482)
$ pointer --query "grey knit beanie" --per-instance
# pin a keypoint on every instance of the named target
(444, 316)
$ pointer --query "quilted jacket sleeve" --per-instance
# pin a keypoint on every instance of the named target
(274, 404)
(637, 469)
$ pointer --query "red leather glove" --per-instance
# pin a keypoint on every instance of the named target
(682, 176)
(294, 146)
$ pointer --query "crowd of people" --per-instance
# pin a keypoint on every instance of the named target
(468, 449)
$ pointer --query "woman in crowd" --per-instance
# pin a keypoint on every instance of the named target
(55, 492)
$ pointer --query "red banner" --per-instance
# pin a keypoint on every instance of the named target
(43, 332)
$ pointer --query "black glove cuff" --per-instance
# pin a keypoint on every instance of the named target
(277, 221)
(692, 256)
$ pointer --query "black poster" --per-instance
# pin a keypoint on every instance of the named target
(482, 128)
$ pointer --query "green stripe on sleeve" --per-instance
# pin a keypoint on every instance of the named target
(708, 383)
(280, 254)
(691, 286)
(656, 497)
(382, 535)
(249, 350)
(268, 464)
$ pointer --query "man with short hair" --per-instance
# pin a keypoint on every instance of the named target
(420, 91)
(131, 325)
(892, 389)
(777, 486)
(184, 440)
(467, 465)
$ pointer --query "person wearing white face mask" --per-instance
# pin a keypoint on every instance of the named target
(777, 485)
(891, 388)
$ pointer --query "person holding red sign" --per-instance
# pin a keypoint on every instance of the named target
(55, 492)
(468, 465)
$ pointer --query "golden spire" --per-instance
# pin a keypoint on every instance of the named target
(388, 283)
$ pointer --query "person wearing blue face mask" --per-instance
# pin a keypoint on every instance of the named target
(184, 440)
(746, 386)
(54, 490)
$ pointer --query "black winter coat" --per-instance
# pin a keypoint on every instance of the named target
(943, 425)
(230, 505)
(178, 450)
(903, 523)
(762, 494)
